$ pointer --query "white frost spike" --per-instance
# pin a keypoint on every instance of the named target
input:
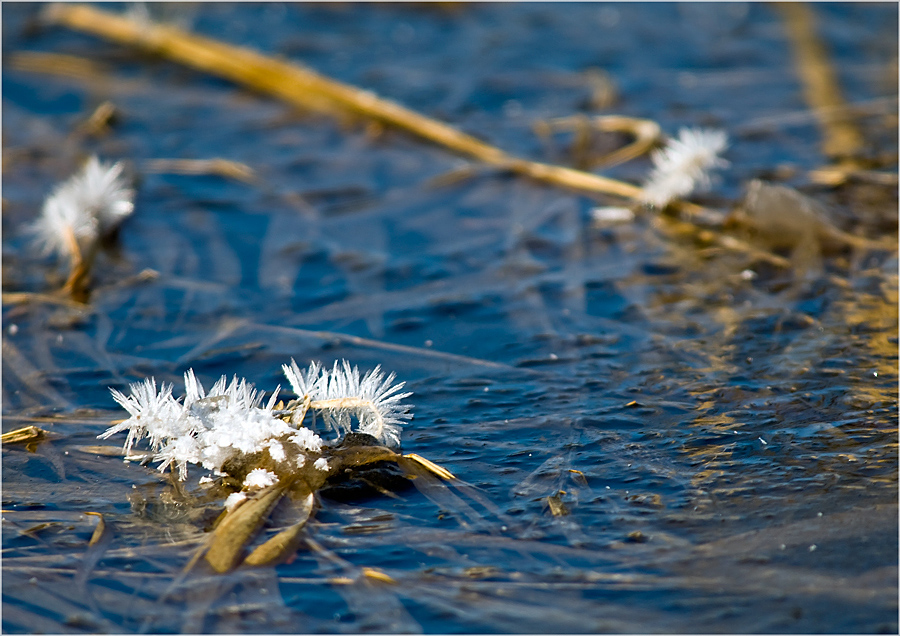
(89, 205)
(193, 390)
(683, 164)
(304, 384)
(340, 395)
(150, 411)
(209, 428)
(385, 417)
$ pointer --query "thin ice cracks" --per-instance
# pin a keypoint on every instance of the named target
(340, 395)
(88, 206)
(683, 165)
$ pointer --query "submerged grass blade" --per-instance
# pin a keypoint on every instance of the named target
(283, 545)
(239, 526)
(440, 471)
(841, 137)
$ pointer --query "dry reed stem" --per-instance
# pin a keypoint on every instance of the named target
(284, 544)
(239, 525)
(306, 88)
(724, 241)
(436, 469)
(645, 131)
(99, 121)
(841, 137)
(378, 575)
(339, 404)
(221, 167)
(841, 174)
(99, 529)
(76, 285)
(18, 298)
(55, 64)
(23, 435)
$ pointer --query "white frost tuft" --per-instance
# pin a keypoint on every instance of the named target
(89, 205)
(683, 164)
(260, 478)
(233, 500)
(307, 440)
(341, 395)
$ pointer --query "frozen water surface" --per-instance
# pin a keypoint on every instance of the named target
(656, 437)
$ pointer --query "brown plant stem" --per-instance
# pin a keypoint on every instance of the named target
(842, 139)
(306, 88)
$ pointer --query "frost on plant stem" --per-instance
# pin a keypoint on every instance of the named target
(683, 165)
(231, 422)
(340, 395)
(206, 428)
(89, 205)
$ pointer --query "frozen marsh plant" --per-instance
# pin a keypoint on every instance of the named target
(262, 452)
(83, 209)
(230, 423)
(207, 428)
(683, 165)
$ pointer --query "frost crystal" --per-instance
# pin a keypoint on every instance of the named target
(88, 205)
(321, 464)
(260, 478)
(341, 395)
(206, 428)
(307, 440)
(683, 165)
(233, 500)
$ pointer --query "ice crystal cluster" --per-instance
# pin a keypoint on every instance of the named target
(260, 478)
(341, 395)
(89, 205)
(211, 428)
(683, 165)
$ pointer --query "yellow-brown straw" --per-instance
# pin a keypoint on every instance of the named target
(310, 90)
(307, 89)
(841, 137)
